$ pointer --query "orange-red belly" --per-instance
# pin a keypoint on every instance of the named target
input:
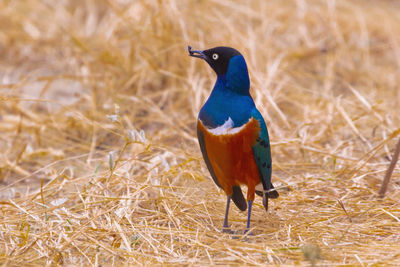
(231, 156)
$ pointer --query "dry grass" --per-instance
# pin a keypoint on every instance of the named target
(99, 163)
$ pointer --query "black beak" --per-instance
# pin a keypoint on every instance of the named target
(196, 53)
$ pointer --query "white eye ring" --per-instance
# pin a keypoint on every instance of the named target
(215, 56)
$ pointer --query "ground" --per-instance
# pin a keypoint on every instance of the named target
(99, 161)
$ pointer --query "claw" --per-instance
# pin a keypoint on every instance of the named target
(227, 230)
(247, 232)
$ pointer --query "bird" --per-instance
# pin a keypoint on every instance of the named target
(232, 133)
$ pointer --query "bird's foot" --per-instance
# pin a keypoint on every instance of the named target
(227, 230)
(248, 232)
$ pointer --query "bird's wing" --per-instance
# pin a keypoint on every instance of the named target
(262, 156)
(203, 149)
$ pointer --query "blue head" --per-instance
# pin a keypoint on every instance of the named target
(229, 65)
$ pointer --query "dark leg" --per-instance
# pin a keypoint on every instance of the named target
(225, 227)
(250, 203)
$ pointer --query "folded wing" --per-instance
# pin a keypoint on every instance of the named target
(262, 156)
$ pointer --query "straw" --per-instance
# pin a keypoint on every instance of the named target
(99, 160)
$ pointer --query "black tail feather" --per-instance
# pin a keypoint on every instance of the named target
(274, 193)
(267, 195)
(265, 201)
(238, 198)
(271, 194)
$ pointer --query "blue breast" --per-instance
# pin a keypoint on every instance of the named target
(223, 104)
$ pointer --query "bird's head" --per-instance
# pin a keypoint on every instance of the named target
(228, 64)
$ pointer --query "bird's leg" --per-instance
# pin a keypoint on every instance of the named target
(225, 227)
(250, 203)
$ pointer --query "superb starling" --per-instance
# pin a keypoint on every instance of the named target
(232, 133)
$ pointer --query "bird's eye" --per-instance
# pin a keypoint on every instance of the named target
(215, 56)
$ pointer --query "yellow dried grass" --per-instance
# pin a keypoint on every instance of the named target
(99, 163)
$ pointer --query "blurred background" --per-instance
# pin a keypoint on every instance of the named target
(99, 159)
